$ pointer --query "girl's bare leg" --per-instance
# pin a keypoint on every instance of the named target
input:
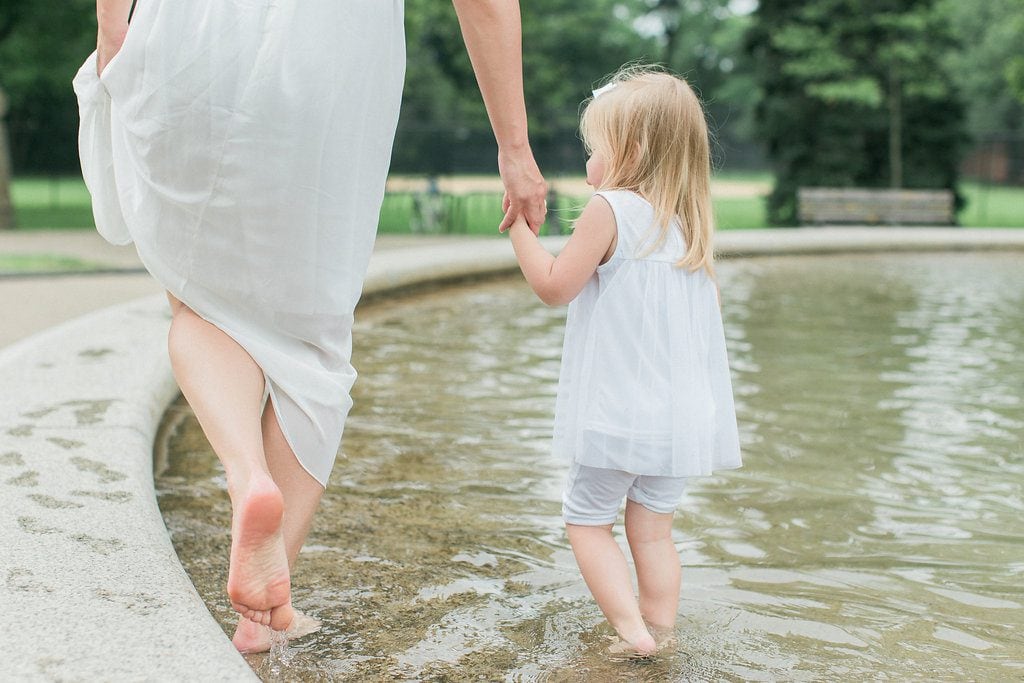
(224, 387)
(301, 498)
(658, 570)
(605, 570)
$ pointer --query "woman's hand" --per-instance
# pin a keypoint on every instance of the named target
(108, 44)
(525, 189)
(112, 22)
(492, 32)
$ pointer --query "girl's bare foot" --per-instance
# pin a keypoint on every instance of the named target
(664, 636)
(633, 645)
(258, 579)
(252, 637)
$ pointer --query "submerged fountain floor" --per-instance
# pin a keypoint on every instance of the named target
(875, 529)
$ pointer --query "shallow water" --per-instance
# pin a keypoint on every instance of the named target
(875, 532)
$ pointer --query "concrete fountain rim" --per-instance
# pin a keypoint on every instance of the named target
(78, 421)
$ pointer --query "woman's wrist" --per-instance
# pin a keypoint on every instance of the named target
(516, 155)
(516, 147)
(112, 33)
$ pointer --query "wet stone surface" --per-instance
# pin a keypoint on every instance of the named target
(874, 531)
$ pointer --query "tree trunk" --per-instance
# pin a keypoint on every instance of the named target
(895, 128)
(6, 208)
(672, 16)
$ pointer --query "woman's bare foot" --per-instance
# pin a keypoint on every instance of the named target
(252, 637)
(259, 584)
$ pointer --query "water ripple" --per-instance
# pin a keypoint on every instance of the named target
(875, 531)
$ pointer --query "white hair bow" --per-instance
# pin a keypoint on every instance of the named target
(603, 89)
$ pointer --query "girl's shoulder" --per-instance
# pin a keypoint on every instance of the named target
(618, 196)
(632, 212)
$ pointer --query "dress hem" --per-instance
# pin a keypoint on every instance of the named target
(268, 389)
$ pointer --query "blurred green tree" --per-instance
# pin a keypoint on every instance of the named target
(41, 47)
(6, 206)
(567, 47)
(703, 41)
(853, 93)
(989, 69)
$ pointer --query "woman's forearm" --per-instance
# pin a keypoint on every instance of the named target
(111, 29)
(493, 36)
(112, 17)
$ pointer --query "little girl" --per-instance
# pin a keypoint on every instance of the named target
(644, 395)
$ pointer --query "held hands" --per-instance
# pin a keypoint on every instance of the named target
(519, 223)
(525, 189)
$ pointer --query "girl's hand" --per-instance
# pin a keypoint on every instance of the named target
(108, 44)
(519, 223)
(525, 190)
(557, 281)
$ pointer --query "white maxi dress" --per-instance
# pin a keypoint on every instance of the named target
(243, 147)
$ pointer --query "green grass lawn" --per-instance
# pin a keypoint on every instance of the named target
(43, 263)
(64, 203)
(480, 213)
(469, 214)
(991, 206)
(739, 213)
(41, 203)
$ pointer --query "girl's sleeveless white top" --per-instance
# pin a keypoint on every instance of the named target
(644, 385)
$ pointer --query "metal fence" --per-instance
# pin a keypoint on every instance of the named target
(471, 213)
(996, 158)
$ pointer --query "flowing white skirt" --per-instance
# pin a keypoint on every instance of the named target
(243, 146)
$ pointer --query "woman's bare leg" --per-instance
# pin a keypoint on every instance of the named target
(301, 498)
(300, 490)
(224, 387)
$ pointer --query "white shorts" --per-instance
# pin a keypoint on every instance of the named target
(593, 495)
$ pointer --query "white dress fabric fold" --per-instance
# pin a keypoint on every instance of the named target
(644, 384)
(243, 147)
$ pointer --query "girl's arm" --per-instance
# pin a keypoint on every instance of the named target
(112, 26)
(557, 281)
(492, 32)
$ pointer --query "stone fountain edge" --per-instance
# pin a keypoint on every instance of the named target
(88, 566)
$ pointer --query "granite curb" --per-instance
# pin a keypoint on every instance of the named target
(87, 561)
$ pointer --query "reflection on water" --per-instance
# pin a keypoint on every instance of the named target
(876, 530)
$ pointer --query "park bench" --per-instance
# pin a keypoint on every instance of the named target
(829, 205)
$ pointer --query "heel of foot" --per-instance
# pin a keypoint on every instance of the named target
(262, 509)
(282, 618)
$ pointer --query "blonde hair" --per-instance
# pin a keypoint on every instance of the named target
(650, 128)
